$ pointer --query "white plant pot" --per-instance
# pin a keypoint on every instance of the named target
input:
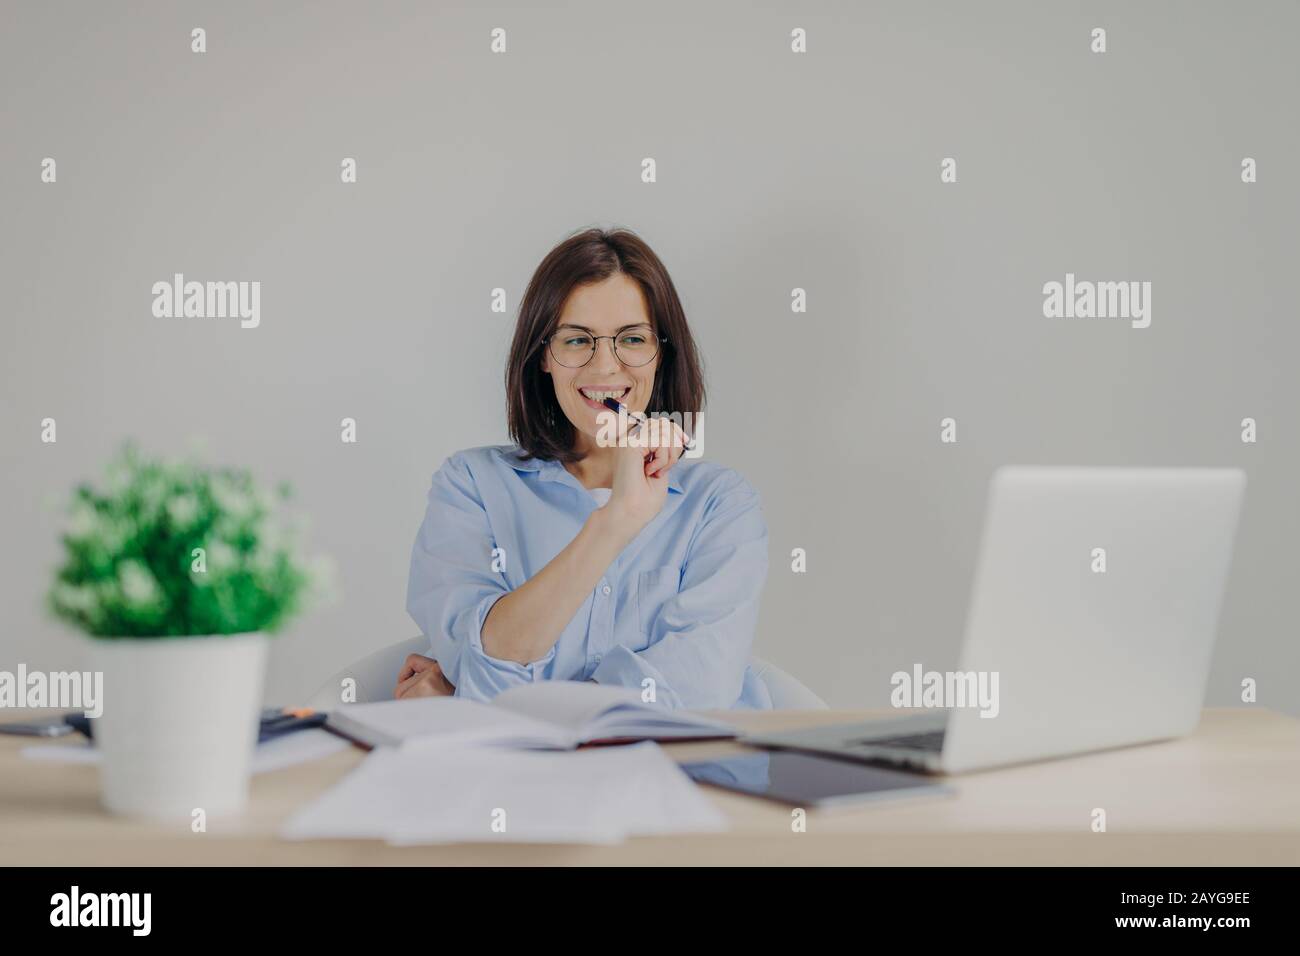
(179, 722)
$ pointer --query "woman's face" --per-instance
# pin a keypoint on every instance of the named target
(609, 307)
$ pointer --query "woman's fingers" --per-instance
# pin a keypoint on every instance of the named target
(660, 462)
(428, 681)
(412, 667)
(670, 444)
(414, 664)
(412, 686)
(403, 686)
(640, 470)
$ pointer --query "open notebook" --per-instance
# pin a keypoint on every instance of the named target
(548, 715)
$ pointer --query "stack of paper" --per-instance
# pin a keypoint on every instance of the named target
(419, 794)
(287, 750)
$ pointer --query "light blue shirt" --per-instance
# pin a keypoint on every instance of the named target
(679, 604)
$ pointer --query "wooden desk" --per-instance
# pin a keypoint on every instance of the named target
(1227, 795)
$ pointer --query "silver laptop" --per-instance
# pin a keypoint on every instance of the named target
(1096, 600)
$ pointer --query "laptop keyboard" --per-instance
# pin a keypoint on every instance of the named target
(931, 741)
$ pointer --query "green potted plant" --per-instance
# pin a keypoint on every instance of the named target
(177, 572)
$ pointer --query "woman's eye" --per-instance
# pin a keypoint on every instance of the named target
(634, 339)
(577, 340)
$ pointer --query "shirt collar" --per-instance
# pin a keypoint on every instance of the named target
(553, 470)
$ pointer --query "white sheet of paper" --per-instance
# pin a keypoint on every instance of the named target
(597, 795)
(301, 746)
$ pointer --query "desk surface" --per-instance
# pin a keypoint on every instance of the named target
(1229, 794)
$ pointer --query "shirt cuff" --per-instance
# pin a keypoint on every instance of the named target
(484, 676)
(622, 667)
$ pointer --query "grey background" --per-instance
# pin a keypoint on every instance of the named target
(775, 170)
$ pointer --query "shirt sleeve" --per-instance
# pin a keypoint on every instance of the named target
(452, 587)
(701, 639)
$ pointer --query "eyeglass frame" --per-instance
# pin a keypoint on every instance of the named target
(595, 346)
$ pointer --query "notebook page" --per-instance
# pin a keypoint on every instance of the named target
(567, 703)
(445, 720)
(599, 711)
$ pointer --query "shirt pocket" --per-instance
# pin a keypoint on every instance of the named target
(653, 590)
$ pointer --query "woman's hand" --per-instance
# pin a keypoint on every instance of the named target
(422, 677)
(641, 472)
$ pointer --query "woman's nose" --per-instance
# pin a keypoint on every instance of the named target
(605, 356)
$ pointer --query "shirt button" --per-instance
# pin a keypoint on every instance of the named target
(605, 590)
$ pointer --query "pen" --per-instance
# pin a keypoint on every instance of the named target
(614, 405)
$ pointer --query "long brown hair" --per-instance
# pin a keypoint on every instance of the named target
(536, 421)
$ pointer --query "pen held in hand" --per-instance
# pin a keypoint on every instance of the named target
(614, 405)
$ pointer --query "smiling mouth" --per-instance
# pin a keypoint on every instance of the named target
(595, 396)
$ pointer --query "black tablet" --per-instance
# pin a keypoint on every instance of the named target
(809, 780)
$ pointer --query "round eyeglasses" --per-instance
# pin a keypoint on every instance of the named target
(573, 347)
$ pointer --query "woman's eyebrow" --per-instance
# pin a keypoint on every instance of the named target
(621, 328)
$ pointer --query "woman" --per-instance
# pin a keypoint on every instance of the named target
(568, 556)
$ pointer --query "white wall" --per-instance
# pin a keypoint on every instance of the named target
(775, 170)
